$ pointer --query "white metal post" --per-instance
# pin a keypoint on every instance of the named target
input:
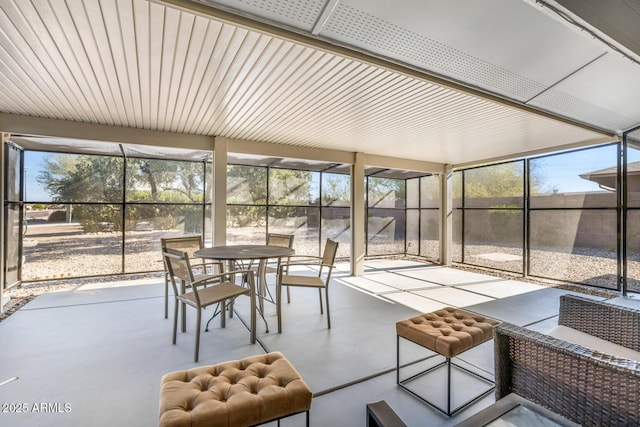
(219, 199)
(446, 215)
(357, 216)
(4, 137)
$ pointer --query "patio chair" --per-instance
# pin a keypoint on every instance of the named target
(283, 240)
(324, 265)
(188, 244)
(200, 297)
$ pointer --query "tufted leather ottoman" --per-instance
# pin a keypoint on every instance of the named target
(238, 393)
(448, 332)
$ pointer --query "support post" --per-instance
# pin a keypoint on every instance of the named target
(446, 215)
(357, 216)
(219, 188)
(4, 137)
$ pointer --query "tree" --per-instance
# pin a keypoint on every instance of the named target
(79, 179)
(385, 192)
(159, 180)
(336, 190)
(247, 190)
(502, 180)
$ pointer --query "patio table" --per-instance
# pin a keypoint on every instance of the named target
(243, 256)
(516, 410)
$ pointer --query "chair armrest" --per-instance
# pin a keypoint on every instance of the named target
(586, 386)
(302, 258)
(285, 266)
(315, 264)
(218, 277)
(620, 325)
(295, 260)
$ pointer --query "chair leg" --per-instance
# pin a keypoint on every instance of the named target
(320, 295)
(279, 305)
(199, 315)
(184, 310)
(252, 304)
(326, 295)
(223, 310)
(166, 296)
(288, 295)
(175, 321)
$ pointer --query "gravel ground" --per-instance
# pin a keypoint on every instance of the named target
(56, 254)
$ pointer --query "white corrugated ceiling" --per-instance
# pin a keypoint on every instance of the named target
(172, 66)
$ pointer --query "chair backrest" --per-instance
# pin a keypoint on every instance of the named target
(178, 265)
(282, 240)
(188, 244)
(330, 250)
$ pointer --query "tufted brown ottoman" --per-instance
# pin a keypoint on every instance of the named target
(448, 332)
(238, 393)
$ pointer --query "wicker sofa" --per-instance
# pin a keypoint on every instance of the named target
(585, 385)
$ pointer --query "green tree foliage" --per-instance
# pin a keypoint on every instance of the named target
(503, 180)
(247, 185)
(165, 181)
(385, 192)
(292, 187)
(500, 188)
(336, 190)
(74, 179)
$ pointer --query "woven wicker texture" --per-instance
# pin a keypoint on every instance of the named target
(582, 384)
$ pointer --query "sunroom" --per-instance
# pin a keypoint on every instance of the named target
(500, 137)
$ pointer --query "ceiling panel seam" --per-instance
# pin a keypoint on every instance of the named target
(58, 64)
(37, 73)
(208, 72)
(300, 75)
(552, 86)
(260, 91)
(257, 52)
(104, 51)
(227, 50)
(276, 81)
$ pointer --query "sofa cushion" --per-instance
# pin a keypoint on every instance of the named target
(578, 337)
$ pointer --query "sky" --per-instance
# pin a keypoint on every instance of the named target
(562, 172)
(33, 164)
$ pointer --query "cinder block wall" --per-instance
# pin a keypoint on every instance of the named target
(552, 223)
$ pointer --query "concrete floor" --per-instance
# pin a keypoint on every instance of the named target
(94, 355)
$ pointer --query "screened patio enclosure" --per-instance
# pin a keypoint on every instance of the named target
(554, 216)
(355, 90)
(88, 208)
